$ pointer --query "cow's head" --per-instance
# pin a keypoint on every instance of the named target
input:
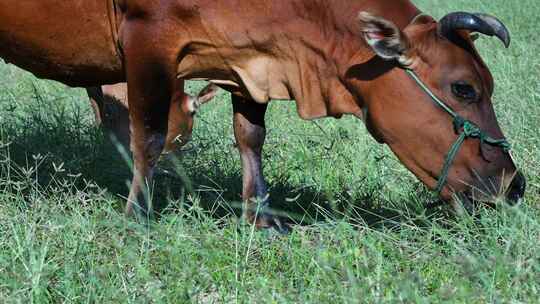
(181, 113)
(399, 112)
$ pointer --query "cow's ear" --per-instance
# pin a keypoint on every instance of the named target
(204, 96)
(207, 94)
(384, 38)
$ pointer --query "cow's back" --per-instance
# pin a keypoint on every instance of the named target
(70, 41)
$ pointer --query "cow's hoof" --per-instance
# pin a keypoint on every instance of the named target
(274, 223)
(281, 227)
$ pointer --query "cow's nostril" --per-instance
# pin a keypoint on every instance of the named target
(516, 191)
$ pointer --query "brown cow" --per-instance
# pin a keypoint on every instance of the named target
(111, 110)
(319, 53)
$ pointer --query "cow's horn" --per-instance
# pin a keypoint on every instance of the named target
(481, 23)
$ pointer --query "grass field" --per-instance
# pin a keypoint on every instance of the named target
(364, 235)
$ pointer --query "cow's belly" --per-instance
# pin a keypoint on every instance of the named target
(68, 41)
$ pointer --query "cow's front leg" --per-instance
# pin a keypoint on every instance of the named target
(152, 84)
(250, 132)
(148, 123)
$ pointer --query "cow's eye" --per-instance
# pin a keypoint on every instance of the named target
(464, 91)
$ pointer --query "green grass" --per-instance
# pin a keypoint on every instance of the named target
(365, 236)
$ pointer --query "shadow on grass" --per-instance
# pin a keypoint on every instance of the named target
(219, 191)
(46, 142)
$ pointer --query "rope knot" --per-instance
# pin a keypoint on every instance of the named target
(467, 128)
(472, 130)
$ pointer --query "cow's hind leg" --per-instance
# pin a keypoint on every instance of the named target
(250, 132)
(110, 107)
(97, 103)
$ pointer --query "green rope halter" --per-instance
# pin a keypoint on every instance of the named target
(463, 127)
